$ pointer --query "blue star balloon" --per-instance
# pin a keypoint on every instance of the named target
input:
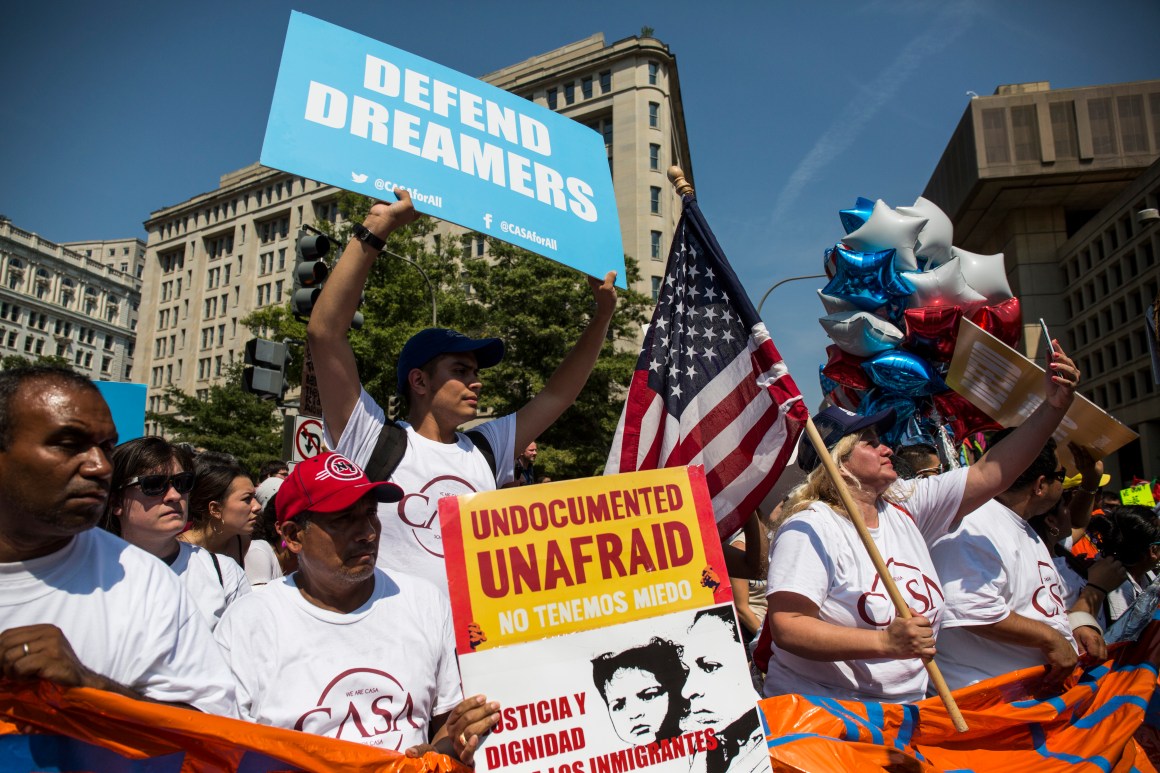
(904, 407)
(904, 373)
(866, 279)
(856, 217)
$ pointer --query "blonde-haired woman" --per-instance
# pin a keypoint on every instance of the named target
(832, 623)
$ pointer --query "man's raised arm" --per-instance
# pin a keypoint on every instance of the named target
(569, 378)
(334, 363)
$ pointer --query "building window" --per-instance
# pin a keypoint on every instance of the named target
(656, 288)
(1063, 128)
(1103, 127)
(654, 199)
(1133, 130)
(654, 156)
(1025, 131)
(606, 81)
(270, 230)
(586, 87)
(654, 115)
(995, 136)
(653, 67)
(216, 246)
(1154, 107)
(655, 244)
(552, 99)
(569, 93)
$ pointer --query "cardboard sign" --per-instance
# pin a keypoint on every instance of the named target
(536, 561)
(597, 612)
(127, 404)
(362, 115)
(1138, 495)
(1008, 387)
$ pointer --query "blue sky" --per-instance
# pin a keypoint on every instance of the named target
(111, 110)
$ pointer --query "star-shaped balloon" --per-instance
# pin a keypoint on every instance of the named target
(876, 400)
(943, 286)
(833, 304)
(904, 373)
(856, 216)
(934, 240)
(932, 331)
(861, 333)
(844, 368)
(889, 229)
(986, 274)
(866, 279)
(1002, 320)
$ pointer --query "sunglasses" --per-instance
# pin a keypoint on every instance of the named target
(156, 485)
(929, 472)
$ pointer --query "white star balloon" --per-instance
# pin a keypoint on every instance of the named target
(943, 286)
(934, 240)
(986, 274)
(889, 229)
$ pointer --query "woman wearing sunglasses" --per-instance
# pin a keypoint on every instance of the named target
(147, 507)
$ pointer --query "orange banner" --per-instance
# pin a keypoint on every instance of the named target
(1089, 727)
(46, 727)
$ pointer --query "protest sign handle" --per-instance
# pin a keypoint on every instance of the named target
(900, 605)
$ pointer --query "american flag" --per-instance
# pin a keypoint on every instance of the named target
(710, 387)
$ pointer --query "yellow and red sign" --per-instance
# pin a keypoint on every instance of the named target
(530, 562)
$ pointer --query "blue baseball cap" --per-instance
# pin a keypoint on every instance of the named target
(835, 423)
(428, 344)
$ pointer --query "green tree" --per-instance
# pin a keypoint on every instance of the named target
(13, 361)
(537, 307)
(229, 420)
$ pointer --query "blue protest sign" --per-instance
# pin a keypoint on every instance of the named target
(358, 114)
(127, 404)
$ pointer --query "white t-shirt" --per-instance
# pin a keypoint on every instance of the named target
(126, 616)
(817, 554)
(992, 565)
(412, 538)
(262, 564)
(374, 676)
(194, 565)
(1120, 599)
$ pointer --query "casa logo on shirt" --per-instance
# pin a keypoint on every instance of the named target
(420, 511)
(364, 705)
(920, 592)
(1048, 597)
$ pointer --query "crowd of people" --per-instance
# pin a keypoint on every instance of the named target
(205, 588)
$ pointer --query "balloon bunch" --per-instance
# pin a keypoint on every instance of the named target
(897, 291)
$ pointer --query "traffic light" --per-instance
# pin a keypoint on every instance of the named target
(265, 368)
(310, 270)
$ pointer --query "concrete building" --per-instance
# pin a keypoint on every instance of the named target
(125, 255)
(1055, 179)
(212, 260)
(57, 301)
(209, 262)
(630, 93)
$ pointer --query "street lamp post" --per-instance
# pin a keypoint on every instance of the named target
(783, 281)
(427, 279)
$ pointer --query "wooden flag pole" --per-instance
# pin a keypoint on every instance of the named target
(677, 178)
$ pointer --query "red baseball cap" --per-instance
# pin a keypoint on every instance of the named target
(328, 483)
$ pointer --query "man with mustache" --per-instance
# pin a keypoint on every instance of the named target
(341, 648)
(79, 606)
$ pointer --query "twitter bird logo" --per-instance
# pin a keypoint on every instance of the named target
(358, 178)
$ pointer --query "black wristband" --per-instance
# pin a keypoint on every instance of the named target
(1096, 587)
(364, 235)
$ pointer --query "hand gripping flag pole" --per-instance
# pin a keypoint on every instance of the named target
(676, 176)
